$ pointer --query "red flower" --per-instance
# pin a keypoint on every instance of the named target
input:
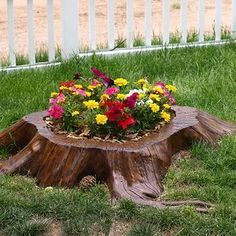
(67, 83)
(124, 123)
(115, 110)
(131, 101)
(106, 80)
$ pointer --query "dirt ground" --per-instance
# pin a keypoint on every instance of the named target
(101, 22)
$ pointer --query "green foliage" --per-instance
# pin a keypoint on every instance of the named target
(205, 78)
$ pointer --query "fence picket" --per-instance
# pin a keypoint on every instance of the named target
(69, 18)
(129, 17)
(92, 25)
(51, 47)
(218, 5)
(148, 23)
(233, 28)
(183, 20)
(11, 33)
(111, 23)
(201, 20)
(31, 32)
(166, 21)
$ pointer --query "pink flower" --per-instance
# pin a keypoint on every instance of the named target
(60, 97)
(105, 79)
(112, 90)
(95, 83)
(55, 111)
(161, 84)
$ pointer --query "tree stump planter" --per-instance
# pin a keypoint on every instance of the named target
(132, 170)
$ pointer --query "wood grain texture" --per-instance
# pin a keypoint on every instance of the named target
(132, 170)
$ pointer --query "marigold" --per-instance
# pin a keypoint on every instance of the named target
(121, 96)
(65, 88)
(154, 107)
(142, 82)
(155, 97)
(166, 106)
(104, 97)
(158, 89)
(141, 96)
(54, 94)
(101, 119)
(91, 104)
(165, 116)
(91, 87)
(171, 88)
(79, 86)
(88, 94)
(75, 113)
(120, 82)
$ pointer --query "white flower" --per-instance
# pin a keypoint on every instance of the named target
(48, 188)
(134, 91)
(149, 101)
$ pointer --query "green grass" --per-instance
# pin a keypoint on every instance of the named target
(205, 78)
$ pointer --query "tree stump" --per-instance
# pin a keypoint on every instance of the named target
(132, 170)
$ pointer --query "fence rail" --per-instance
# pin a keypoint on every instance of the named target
(70, 34)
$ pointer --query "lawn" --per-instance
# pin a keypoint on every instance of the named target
(205, 78)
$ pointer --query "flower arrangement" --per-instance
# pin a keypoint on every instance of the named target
(102, 107)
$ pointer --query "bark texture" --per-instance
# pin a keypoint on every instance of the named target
(131, 170)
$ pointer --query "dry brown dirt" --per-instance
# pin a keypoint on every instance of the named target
(101, 13)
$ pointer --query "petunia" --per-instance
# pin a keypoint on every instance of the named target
(55, 111)
(105, 79)
(112, 90)
(67, 83)
(131, 101)
(126, 121)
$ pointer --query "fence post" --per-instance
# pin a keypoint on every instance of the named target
(166, 21)
(69, 17)
(129, 17)
(218, 5)
(11, 33)
(51, 44)
(183, 21)
(233, 30)
(31, 32)
(92, 25)
(148, 23)
(111, 23)
(201, 20)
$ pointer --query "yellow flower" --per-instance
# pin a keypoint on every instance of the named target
(165, 116)
(88, 94)
(142, 82)
(104, 97)
(91, 104)
(166, 106)
(120, 82)
(75, 113)
(154, 107)
(101, 119)
(79, 86)
(91, 87)
(141, 96)
(65, 88)
(158, 89)
(154, 97)
(171, 88)
(54, 94)
(121, 96)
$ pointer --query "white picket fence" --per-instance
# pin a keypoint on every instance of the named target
(69, 21)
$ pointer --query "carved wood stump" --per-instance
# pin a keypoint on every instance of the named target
(131, 170)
